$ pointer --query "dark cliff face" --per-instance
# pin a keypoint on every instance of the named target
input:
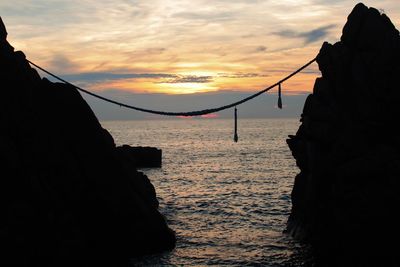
(67, 196)
(346, 198)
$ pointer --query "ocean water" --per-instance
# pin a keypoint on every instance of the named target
(227, 202)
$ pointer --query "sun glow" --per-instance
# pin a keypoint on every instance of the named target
(185, 88)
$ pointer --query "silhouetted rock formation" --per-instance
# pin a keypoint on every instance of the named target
(143, 156)
(347, 195)
(67, 196)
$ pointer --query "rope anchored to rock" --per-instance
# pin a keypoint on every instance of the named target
(187, 113)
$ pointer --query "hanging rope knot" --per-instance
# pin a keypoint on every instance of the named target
(280, 96)
(235, 137)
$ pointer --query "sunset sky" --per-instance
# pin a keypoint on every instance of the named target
(179, 46)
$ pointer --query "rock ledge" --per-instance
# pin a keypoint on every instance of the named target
(68, 196)
(347, 195)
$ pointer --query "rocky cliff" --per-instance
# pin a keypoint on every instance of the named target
(68, 197)
(346, 198)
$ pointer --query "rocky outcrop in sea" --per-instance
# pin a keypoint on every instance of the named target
(68, 197)
(346, 198)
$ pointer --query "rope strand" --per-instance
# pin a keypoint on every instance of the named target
(167, 113)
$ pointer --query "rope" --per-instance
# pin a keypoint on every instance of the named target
(185, 114)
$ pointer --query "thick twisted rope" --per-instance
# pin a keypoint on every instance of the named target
(167, 113)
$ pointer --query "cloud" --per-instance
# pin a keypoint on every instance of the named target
(106, 76)
(189, 79)
(246, 36)
(61, 63)
(116, 42)
(260, 48)
(156, 50)
(205, 15)
(240, 75)
(309, 37)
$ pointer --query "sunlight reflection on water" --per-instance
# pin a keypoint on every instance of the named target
(228, 202)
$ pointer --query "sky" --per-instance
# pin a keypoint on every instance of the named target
(180, 50)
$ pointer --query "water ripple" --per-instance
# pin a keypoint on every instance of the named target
(227, 202)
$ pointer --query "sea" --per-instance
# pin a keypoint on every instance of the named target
(227, 202)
